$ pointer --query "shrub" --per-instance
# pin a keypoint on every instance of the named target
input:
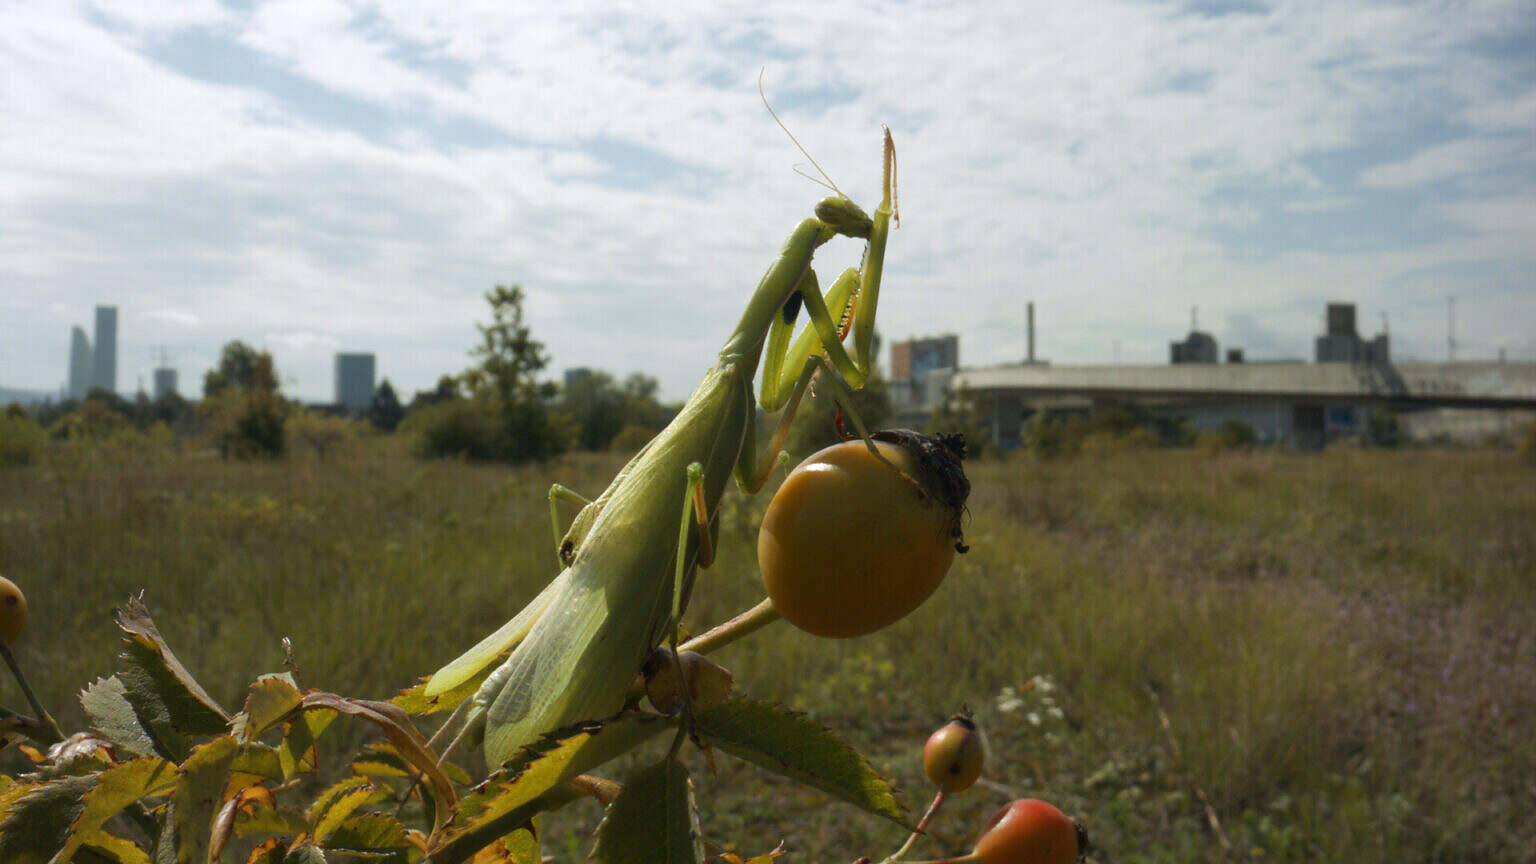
(21, 440)
(631, 438)
(322, 434)
(246, 424)
(457, 428)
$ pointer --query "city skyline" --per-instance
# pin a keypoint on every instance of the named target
(313, 177)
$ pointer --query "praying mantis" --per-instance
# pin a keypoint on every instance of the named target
(630, 556)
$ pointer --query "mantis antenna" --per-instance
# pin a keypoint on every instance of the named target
(829, 184)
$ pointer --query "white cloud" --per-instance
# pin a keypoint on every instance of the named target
(1085, 155)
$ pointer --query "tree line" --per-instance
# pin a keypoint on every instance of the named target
(497, 409)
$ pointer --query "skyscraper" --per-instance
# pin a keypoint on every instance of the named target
(354, 380)
(104, 370)
(79, 364)
(165, 382)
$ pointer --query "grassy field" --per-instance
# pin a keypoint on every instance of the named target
(1253, 656)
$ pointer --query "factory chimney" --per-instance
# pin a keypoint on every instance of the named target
(1029, 316)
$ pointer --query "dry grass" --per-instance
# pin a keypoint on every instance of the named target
(1342, 643)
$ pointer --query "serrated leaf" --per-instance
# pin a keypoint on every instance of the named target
(382, 760)
(414, 700)
(108, 793)
(340, 807)
(299, 752)
(51, 821)
(258, 760)
(114, 848)
(522, 846)
(111, 715)
(269, 852)
(35, 824)
(801, 749)
(407, 741)
(199, 795)
(330, 795)
(265, 819)
(505, 806)
(305, 854)
(370, 834)
(167, 700)
(653, 821)
(271, 698)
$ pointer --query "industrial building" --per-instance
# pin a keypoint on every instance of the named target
(354, 381)
(1296, 404)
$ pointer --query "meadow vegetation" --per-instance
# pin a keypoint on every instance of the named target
(1204, 654)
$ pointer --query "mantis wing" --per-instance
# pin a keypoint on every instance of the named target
(577, 661)
(493, 646)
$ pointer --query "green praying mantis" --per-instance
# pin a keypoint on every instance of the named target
(629, 557)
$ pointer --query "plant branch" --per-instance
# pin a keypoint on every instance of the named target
(26, 689)
(742, 625)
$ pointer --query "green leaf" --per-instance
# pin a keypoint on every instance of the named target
(50, 821)
(305, 854)
(166, 699)
(270, 700)
(370, 833)
(277, 821)
(338, 803)
(204, 781)
(414, 700)
(653, 820)
(114, 848)
(112, 717)
(258, 760)
(36, 823)
(383, 760)
(505, 806)
(405, 738)
(801, 749)
(298, 752)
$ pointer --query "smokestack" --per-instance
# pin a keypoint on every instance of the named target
(1029, 315)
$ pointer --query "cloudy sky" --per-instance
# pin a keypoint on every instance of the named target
(317, 176)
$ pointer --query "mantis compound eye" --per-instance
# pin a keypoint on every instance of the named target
(853, 542)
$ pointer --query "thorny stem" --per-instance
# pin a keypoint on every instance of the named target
(26, 689)
(933, 809)
(742, 625)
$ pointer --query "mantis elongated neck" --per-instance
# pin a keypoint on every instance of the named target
(745, 346)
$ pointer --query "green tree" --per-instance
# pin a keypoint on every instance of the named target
(385, 412)
(240, 365)
(242, 405)
(503, 385)
(600, 409)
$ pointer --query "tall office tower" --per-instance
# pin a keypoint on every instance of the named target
(79, 364)
(354, 380)
(165, 382)
(104, 371)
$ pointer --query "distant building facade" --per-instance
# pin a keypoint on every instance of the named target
(104, 365)
(1341, 343)
(1198, 347)
(920, 371)
(165, 382)
(354, 380)
(576, 375)
(81, 364)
